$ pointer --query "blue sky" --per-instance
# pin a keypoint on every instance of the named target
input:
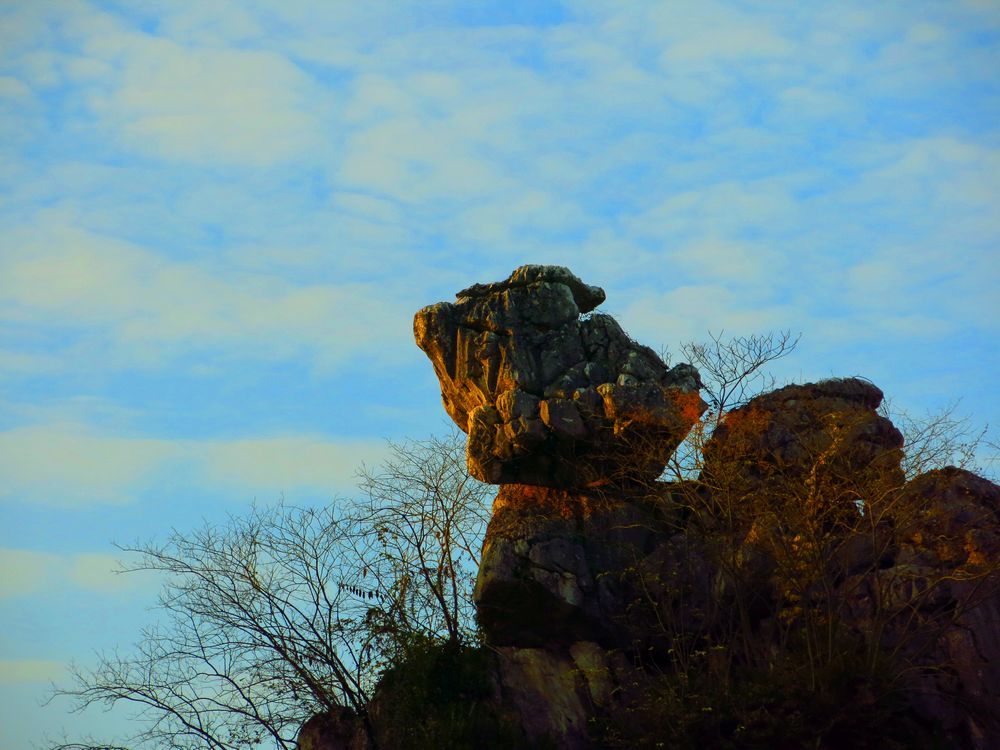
(218, 218)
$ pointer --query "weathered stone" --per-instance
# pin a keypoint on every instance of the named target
(584, 296)
(951, 524)
(563, 418)
(820, 446)
(550, 698)
(563, 566)
(556, 692)
(513, 351)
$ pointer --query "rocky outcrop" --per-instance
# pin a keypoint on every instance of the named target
(548, 397)
(946, 572)
(339, 729)
(824, 439)
(594, 575)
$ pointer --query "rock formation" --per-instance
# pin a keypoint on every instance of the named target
(549, 398)
(947, 565)
(780, 436)
(594, 573)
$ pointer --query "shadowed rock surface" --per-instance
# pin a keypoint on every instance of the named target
(953, 537)
(554, 564)
(547, 397)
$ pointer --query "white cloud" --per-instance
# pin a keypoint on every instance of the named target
(688, 313)
(710, 41)
(942, 173)
(274, 464)
(20, 363)
(64, 465)
(529, 215)
(69, 465)
(30, 572)
(714, 260)
(801, 108)
(151, 309)
(413, 159)
(25, 571)
(246, 107)
(20, 671)
(97, 572)
(185, 92)
(370, 207)
(723, 208)
(11, 88)
(208, 22)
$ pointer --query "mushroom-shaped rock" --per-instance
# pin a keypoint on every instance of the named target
(549, 398)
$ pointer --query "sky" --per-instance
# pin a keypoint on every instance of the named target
(218, 218)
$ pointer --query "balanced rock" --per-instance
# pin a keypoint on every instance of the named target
(549, 398)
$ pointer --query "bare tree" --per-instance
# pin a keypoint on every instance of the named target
(939, 438)
(733, 371)
(422, 523)
(289, 612)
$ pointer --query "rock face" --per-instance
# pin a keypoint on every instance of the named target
(553, 566)
(549, 398)
(340, 729)
(952, 536)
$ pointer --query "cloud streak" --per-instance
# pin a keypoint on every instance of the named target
(143, 309)
(71, 466)
(30, 572)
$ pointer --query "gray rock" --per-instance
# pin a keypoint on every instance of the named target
(561, 566)
(549, 398)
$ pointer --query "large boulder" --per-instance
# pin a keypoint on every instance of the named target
(338, 729)
(549, 398)
(820, 450)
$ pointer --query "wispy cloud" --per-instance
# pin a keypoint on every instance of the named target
(30, 572)
(140, 309)
(72, 466)
(273, 464)
(65, 466)
(247, 107)
(20, 671)
(24, 571)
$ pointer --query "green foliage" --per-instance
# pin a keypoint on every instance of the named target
(439, 695)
